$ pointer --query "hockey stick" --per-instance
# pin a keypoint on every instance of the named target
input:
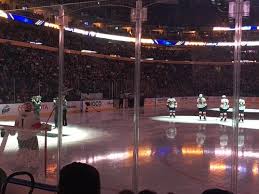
(50, 115)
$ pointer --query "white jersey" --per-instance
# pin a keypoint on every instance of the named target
(201, 102)
(29, 122)
(171, 103)
(242, 104)
(224, 104)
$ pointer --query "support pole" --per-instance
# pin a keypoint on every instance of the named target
(60, 86)
(236, 95)
(137, 94)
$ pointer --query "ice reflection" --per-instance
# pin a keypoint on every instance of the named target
(144, 152)
(192, 151)
(200, 135)
(228, 152)
(221, 167)
(172, 131)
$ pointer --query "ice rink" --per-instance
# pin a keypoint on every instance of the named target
(180, 155)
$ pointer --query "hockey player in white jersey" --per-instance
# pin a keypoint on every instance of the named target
(242, 107)
(171, 105)
(224, 106)
(202, 106)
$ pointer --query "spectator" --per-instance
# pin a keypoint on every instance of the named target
(146, 191)
(126, 191)
(79, 178)
(216, 191)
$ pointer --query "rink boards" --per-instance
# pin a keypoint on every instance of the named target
(8, 111)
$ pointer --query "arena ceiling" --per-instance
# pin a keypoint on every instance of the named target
(180, 13)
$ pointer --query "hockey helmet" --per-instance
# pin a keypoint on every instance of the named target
(200, 95)
(39, 98)
(223, 96)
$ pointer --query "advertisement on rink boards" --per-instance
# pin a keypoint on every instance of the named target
(97, 105)
(11, 110)
(182, 102)
(149, 102)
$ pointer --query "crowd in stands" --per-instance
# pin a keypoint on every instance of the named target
(26, 71)
(4, 6)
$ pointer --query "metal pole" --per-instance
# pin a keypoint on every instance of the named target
(60, 88)
(236, 84)
(112, 90)
(137, 94)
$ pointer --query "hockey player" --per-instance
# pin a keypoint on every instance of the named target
(202, 106)
(224, 106)
(242, 106)
(171, 105)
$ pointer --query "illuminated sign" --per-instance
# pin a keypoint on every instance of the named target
(3, 14)
(51, 25)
